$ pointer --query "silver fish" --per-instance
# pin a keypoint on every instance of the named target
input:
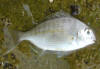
(61, 33)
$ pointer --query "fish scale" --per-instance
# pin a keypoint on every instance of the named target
(56, 25)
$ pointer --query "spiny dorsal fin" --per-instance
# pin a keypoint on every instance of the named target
(59, 14)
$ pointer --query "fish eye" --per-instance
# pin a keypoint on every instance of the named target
(88, 32)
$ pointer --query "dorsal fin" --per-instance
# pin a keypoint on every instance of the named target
(58, 14)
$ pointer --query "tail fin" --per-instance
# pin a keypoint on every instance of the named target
(10, 41)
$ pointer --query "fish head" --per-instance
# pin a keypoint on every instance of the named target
(85, 37)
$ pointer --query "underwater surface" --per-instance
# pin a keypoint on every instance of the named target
(19, 15)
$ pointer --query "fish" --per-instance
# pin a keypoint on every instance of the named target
(61, 33)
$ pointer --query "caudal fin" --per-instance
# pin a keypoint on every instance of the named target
(10, 40)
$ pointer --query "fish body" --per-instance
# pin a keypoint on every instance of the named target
(60, 34)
